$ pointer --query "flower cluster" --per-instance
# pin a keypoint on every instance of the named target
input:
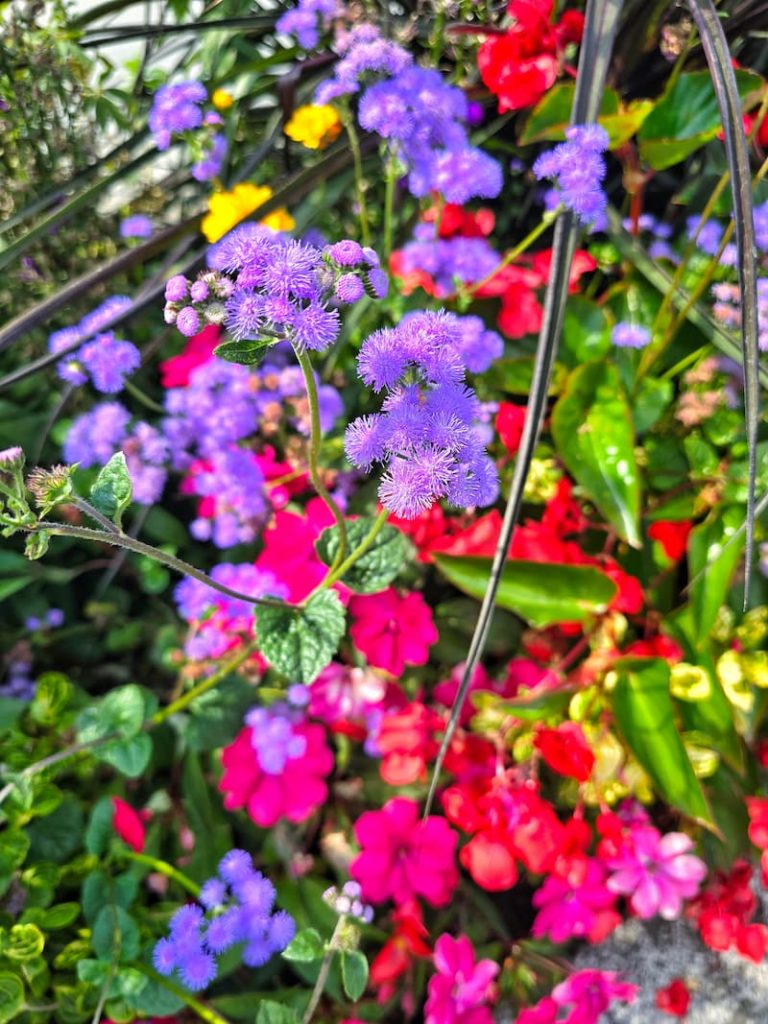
(724, 913)
(627, 335)
(727, 308)
(585, 996)
(236, 907)
(313, 125)
(425, 435)
(138, 225)
(307, 21)
(281, 288)
(441, 265)
(421, 116)
(577, 169)
(102, 358)
(461, 989)
(177, 111)
(348, 902)
(277, 766)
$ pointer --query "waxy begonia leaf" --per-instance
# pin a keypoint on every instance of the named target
(375, 569)
(543, 593)
(595, 438)
(644, 713)
(300, 642)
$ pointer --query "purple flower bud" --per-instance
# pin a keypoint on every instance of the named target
(176, 289)
(199, 291)
(188, 321)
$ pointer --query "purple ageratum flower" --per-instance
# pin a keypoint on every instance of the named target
(210, 166)
(626, 335)
(176, 109)
(273, 736)
(306, 21)
(349, 288)
(177, 289)
(577, 168)
(109, 361)
(138, 225)
(315, 327)
(346, 253)
(464, 174)
(105, 315)
(656, 872)
(188, 321)
(95, 436)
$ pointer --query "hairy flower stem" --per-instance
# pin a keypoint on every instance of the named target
(546, 222)
(162, 867)
(203, 1012)
(315, 435)
(354, 145)
(122, 540)
(325, 967)
(94, 514)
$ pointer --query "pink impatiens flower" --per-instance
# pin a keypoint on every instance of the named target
(657, 872)
(584, 996)
(293, 792)
(462, 989)
(402, 857)
(392, 630)
(574, 901)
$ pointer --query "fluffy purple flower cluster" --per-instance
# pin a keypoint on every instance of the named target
(18, 682)
(138, 225)
(215, 618)
(280, 289)
(450, 262)
(660, 232)
(178, 109)
(236, 907)
(53, 619)
(307, 20)
(426, 435)
(102, 358)
(274, 737)
(710, 235)
(727, 308)
(577, 168)
(419, 114)
(626, 335)
(95, 436)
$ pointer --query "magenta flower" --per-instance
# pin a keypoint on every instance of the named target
(575, 903)
(462, 989)
(403, 857)
(591, 993)
(657, 872)
(392, 630)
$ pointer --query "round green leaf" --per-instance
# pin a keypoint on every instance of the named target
(300, 642)
(354, 973)
(305, 946)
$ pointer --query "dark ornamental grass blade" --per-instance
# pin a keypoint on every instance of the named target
(715, 48)
(599, 32)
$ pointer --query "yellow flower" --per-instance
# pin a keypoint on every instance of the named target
(313, 126)
(227, 209)
(222, 99)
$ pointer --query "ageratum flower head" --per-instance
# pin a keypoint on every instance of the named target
(307, 21)
(176, 109)
(426, 435)
(236, 908)
(577, 168)
(103, 359)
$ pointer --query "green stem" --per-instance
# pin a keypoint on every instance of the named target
(162, 867)
(123, 540)
(203, 686)
(315, 436)
(325, 968)
(546, 222)
(354, 145)
(356, 553)
(145, 400)
(203, 1012)
(389, 208)
(94, 514)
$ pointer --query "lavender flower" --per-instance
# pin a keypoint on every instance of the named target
(307, 20)
(109, 361)
(577, 167)
(106, 360)
(273, 736)
(626, 335)
(237, 907)
(211, 163)
(348, 902)
(176, 109)
(95, 436)
(138, 225)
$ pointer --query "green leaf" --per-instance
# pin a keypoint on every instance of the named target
(56, 836)
(374, 570)
(644, 714)
(153, 1000)
(100, 828)
(93, 972)
(686, 117)
(551, 116)
(24, 942)
(115, 935)
(246, 353)
(530, 709)
(112, 490)
(11, 997)
(129, 757)
(593, 432)
(275, 1013)
(354, 973)
(52, 918)
(515, 376)
(122, 711)
(52, 695)
(305, 946)
(544, 593)
(300, 642)
(9, 587)
(711, 563)
(10, 712)
(586, 330)
(650, 401)
(99, 889)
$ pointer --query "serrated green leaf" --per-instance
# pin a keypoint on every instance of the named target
(586, 330)
(541, 592)
(305, 946)
(644, 713)
(380, 564)
(122, 712)
(99, 890)
(300, 642)
(93, 972)
(354, 973)
(246, 353)
(129, 757)
(112, 490)
(11, 997)
(594, 435)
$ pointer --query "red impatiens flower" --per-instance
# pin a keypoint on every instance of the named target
(674, 999)
(454, 220)
(672, 534)
(723, 913)
(509, 425)
(129, 824)
(406, 741)
(566, 751)
(409, 940)
(392, 629)
(175, 372)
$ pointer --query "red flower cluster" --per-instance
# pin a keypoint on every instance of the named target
(674, 999)
(723, 913)
(566, 751)
(406, 741)
(519, 65)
